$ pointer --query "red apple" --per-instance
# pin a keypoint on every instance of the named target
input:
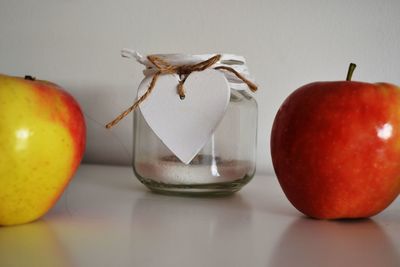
(335, 148)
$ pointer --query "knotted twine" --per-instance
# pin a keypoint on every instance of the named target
(183, 71)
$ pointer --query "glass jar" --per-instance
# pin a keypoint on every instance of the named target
(224, 165)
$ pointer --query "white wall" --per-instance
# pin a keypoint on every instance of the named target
(76, 43)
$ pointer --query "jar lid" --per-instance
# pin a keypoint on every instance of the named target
(238, 63)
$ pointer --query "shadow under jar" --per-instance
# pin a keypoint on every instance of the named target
(224, 165)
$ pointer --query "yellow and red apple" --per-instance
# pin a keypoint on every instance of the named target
(42, 140)
(335, 148)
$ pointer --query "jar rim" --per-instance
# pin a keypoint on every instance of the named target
(184, 59)
(236, 62)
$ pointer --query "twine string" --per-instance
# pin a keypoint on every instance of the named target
(163, 67)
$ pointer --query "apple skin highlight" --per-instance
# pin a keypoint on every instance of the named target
(335, 148)
(42, 140)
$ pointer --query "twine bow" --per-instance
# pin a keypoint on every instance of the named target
(183, 71)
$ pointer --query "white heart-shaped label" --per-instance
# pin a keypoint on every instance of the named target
(185, 126)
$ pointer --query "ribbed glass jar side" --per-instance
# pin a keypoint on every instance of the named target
(225, 164)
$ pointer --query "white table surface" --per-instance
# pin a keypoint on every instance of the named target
(107, 218)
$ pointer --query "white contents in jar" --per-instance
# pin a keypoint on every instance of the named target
(202, 170)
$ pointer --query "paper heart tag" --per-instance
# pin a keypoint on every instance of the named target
(185, 126)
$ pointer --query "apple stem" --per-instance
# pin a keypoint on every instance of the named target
(350, 71)
(29, 77)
